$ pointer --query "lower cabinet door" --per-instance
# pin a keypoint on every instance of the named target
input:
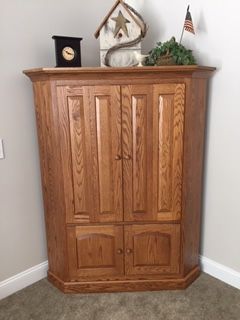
(152, 249)
(95, 252)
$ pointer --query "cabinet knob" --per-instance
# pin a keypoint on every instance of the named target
(127, 157)
(128, 251)
(118, 157)
(119, 251)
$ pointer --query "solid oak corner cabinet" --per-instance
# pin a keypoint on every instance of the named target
(121, 161)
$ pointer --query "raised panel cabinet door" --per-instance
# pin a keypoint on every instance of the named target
(168, 123)
(90, 133)
(95, 251)
(137, 146)
(152, 249)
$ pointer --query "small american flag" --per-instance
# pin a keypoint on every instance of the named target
(188, 24)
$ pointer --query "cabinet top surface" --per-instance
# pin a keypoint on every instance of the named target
(55, 72)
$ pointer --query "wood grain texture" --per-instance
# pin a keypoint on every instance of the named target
(137, 152)
(153, 138)
(52, 181)
(121, 161)
(123, 286)
(95, 251)
(79, 157)
(129, 74)
(165, 143)
(104, 151)
(104, 103)
(194, 132)
(152, 249)
(168, 115)
(89, 145)
(75, 148)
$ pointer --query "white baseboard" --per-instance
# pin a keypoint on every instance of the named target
(36, 273)
(23, 279)
(220, 272)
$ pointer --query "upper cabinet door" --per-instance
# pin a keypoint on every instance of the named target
(90, 133)
(137, 144)
(152, 134)
(168, 123)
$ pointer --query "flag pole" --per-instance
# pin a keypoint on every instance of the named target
(183, 26)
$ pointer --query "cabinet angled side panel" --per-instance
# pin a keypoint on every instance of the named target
(193, 170)
(51, 176)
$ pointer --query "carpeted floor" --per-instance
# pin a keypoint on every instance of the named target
(206, 299)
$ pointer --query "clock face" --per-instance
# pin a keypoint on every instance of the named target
(68, 53)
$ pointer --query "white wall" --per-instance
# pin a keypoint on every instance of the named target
(26, 29)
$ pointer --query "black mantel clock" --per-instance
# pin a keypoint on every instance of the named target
(68, 51)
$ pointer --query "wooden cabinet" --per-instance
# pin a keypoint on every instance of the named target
(121, 161)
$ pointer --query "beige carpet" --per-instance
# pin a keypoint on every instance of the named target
(206, 299)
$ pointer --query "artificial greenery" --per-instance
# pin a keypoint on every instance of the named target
(177, 52)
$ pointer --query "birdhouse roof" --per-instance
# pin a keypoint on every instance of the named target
(136, 20)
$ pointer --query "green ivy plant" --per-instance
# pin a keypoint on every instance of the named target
(176, 53)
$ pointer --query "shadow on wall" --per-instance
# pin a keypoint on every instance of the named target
(205, 161)
(203, 35)
(155, 30)
(201, 25)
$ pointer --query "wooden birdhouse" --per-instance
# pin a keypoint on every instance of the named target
(120, 35)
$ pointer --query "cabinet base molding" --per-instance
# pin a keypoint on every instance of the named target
(124, 286)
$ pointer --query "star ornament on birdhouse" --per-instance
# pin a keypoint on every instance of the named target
(120, 24)
(121, 33)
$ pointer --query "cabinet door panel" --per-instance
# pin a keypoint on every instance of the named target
(168, 121)
(90, 133)
(137, 152)
(152, 249)
(95, 251)
(79, 155)
(152, 131)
